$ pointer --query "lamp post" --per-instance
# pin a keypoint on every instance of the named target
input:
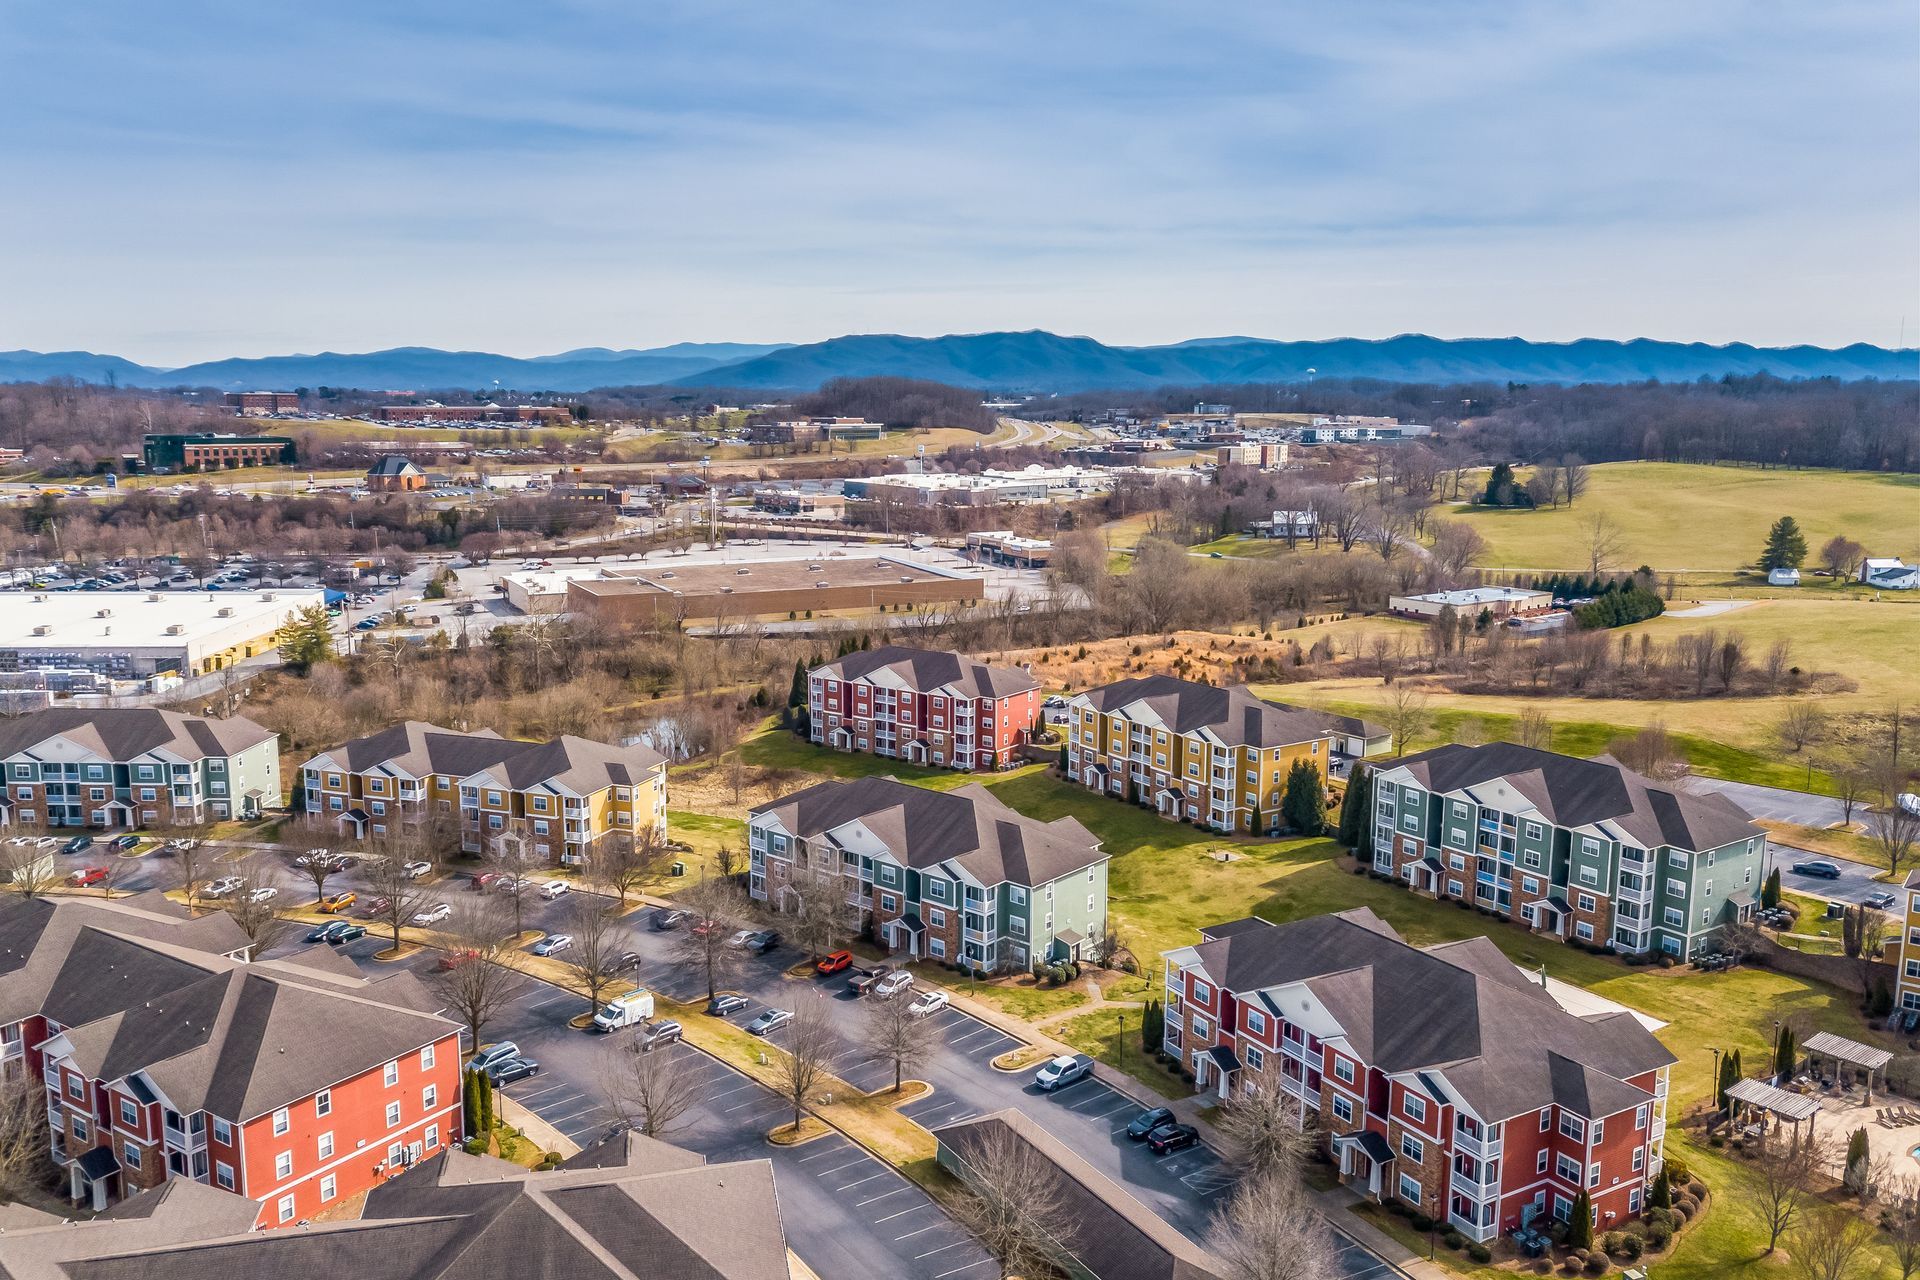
(1716, 1078)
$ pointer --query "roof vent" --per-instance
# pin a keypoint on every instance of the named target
(103, 613)
(823, 582)
(726, 591)
(43, 630)
(225, 611)
(153, 597)
(904, 578)
(667, 574)
(177, 629)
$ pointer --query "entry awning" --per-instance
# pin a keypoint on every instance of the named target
(1224, 1057)
(912, 922)
(1071, 937)
(1372, 1145)
(99, 1162)
(355, 815)
(1434, 865)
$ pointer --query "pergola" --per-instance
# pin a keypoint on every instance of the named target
(1744, 1096)
(1825, 1044)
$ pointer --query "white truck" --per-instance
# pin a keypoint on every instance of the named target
(629, 1010)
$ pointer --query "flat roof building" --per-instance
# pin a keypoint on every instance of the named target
(1000, 546)
(245, 402)
(669, 594)
(132, 636)
(1501, 602)
(213, 451)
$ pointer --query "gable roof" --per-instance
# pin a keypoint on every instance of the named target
(1572, 792)
(125, 733)
(419, 750)
(1232, 715)
(928, 671)
(1460, 1010)
(394, 464)
(968, 826)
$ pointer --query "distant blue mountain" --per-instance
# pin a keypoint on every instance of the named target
(1029, 361)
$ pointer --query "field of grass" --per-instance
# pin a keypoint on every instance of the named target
(1876, 644)
(1683, 517)
(359, 429)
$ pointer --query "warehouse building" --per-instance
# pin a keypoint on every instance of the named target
(129, 636)
(172, 452)
(769, 588)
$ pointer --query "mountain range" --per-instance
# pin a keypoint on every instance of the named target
(1034, 361)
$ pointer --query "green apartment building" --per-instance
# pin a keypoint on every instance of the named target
(1578, 849)
(954, 876)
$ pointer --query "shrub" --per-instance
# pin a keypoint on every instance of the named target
(1632, 1245)
(1596, 1263)
(1659, 1237)
(476, 1146)
(1570, 1266)
(1695, 1187)
(1681, 1215)
(1453, 1239)
(1687, 1202)
(1659, 1218)
(1579, 1254)
(1479, 1252)
(1666, 962)
(1611, 1242)
(1398, 1207)
(1541, 1266)
(1717, 1140)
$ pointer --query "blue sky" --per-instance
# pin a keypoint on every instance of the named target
(197, 179)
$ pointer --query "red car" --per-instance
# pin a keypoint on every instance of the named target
(454, 959)
(703, 928)
(486, 879)
(834, 962)
(88, 875)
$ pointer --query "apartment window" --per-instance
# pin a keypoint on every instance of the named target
(129, 1114)
(1593, 1174)
(325, 1145)
(1587, 902)
(1343, 1070)
(1677, 888)
(281, 1122)
(80, 1129)
(1540, 1162)
(1639, 1159)
(889, 903)
(1459, 809)
(393, 1114)
(1535, 831)
(1640, 1116)
(1633, 1200)
(1412, 1148)
(323, 1103)
(1567, 1167)
(1546, 1119)
(429, 1096)
(130, 1154)
(1415, 1107)
(1599, 1128)
(1256, 1022)
(1202, 1029)
(433, 1136)
(286, 1208)
(1342, 1108)
(1410, 821)
(390, 1075)
(223, 1174)
(222, 1131)
(426, 1058)
(1202, 993)
(1409, 1189)
(1572, 1126)
(1017, 895)
(75, 1089)
(283, 1165)
(329, 1187)
(1255, 1059)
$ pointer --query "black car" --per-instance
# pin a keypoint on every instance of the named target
(326, 932)
(1148, 1121)
(626, 962)
(348, 932)
(79, 844)
(1818, 869)
(657, 1034)
(507, 1070)
(1172, 1137)
(665, 918)
(763, 941)
(725, 1003)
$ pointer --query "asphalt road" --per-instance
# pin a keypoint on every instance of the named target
(1775, 803)
(1856, 882)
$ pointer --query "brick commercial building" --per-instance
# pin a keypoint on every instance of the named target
(927, 706)
(395, 474)
(629, 1208)
(944, 875)
(246, 402)
(546, 414)
(214, 451)
(551, 801)
(135, 767)
(1444, 1077)
(295, 1083)
(654, 596)
(999, 546)
(1571, 848)
(1194, 752)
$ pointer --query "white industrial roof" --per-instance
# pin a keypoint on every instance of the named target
(140, 619)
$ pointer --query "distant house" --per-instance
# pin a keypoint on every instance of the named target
(1889, 574)
(1783, 577)
(395, 474)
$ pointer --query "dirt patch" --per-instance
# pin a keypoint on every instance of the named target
(1210, 656)
(810, 1128)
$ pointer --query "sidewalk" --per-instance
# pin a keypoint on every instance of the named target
(1336, 1207)
(549, 1138)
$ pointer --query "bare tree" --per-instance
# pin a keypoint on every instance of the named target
(800, 1065)
(1851, 785)
(1605, 541)
(1901, 1221)
(1405, 716)
(321, 865)
(191, 860)
(28, 870)
(1831, 1245)
(395, 897)
(1272, 1230)
(893, 1033)
(624, 862)
(594, 957)
(477, 978)
(650, 1092)
(716, 908)
(23, 1134)
(814, 899)
(1264, 1134)
(1013, 1202)
(1533, 729)
(1841, 555)
(1801, 723)
(1457, 547)
(1893, 830)
(1786, 1169)
(1650, 753)
(1574, 474)
(252, 904)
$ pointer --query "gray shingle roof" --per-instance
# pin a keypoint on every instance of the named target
(1460, 1010)
(968, 826)
(1233, 714)
(1573, 792)
(393, 464)
(930, 670)
(126, 733)
(421, 750)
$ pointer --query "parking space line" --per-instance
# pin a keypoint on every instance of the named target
(851, 1185)
(860, 1204)
(861, 1159)
(964, 1267)
(922, 1231)
(942, 1249)
(903, 1213)
(833, 1150)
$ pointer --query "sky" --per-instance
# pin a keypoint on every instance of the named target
(206, 178)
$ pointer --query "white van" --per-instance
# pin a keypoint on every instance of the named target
(629, 1010)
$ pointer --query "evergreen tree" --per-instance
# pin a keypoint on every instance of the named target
(803, 722)
(1726, 1082)
(306, 640)
(1857, 1156)
(1785, 1051)
(1152, 1026)
(797, 693)
(1063, 759)
(1580, 1222)
(1304, 806)
(1770, 891)
(1501, 490)
(1786, 545)
(1355, 806)
(484, 1083)
(470, 1104)
(1660, 1195)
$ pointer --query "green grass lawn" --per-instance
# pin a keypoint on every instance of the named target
(1113, 1036)
(1018, 998)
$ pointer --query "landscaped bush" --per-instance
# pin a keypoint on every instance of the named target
(1695, 1187)
(1717, 1140)
(1570, 1266)
(476, 1146)
(1659, 1237)
(1596, 1263)
(1578, 1254)
(1632, 1246)
(1398, 1207)
(1659, 1218)
(1611, 1242)
(1453, 1239)
(1681, 1215)
(1479, 1252)
(1541, 1266)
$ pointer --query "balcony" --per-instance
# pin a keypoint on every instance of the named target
(184, 1138)
(1469, 1229)
(1480, 1148)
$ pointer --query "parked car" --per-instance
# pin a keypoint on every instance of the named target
(326, 932)
(892, 984)
(1817, 868)
(834, 962)
(120, 844)
(657, 1034)
(741, 938)
(1881, 901)
(1172, 1137)
(486, 880)
(629, 1010)
(553, 944)
(265, 893)
(312, 856)
(374, 907)
(512, 884)
(1147, 1121)
(625, 962)
(88, 876)
(79, 844)
(727, 1002)
(222, 887)
(498, 1051)
(761, 941)
(511, 1069)
(349, 932)
(553, 889)
(432, 915)
(862, 981)
(1062, 1071)
(929, 1002)
(1909, 801)
(661, 919)
(414, 870)
(339, 901)
(769, 1021)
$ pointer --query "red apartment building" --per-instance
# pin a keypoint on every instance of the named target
(293, 1082)
(926, 706)
(1444, 1077)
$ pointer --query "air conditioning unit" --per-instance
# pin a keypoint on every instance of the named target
(225, 611)
(103, 613)
(154, 597)
(43, 630)
(177, 629)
